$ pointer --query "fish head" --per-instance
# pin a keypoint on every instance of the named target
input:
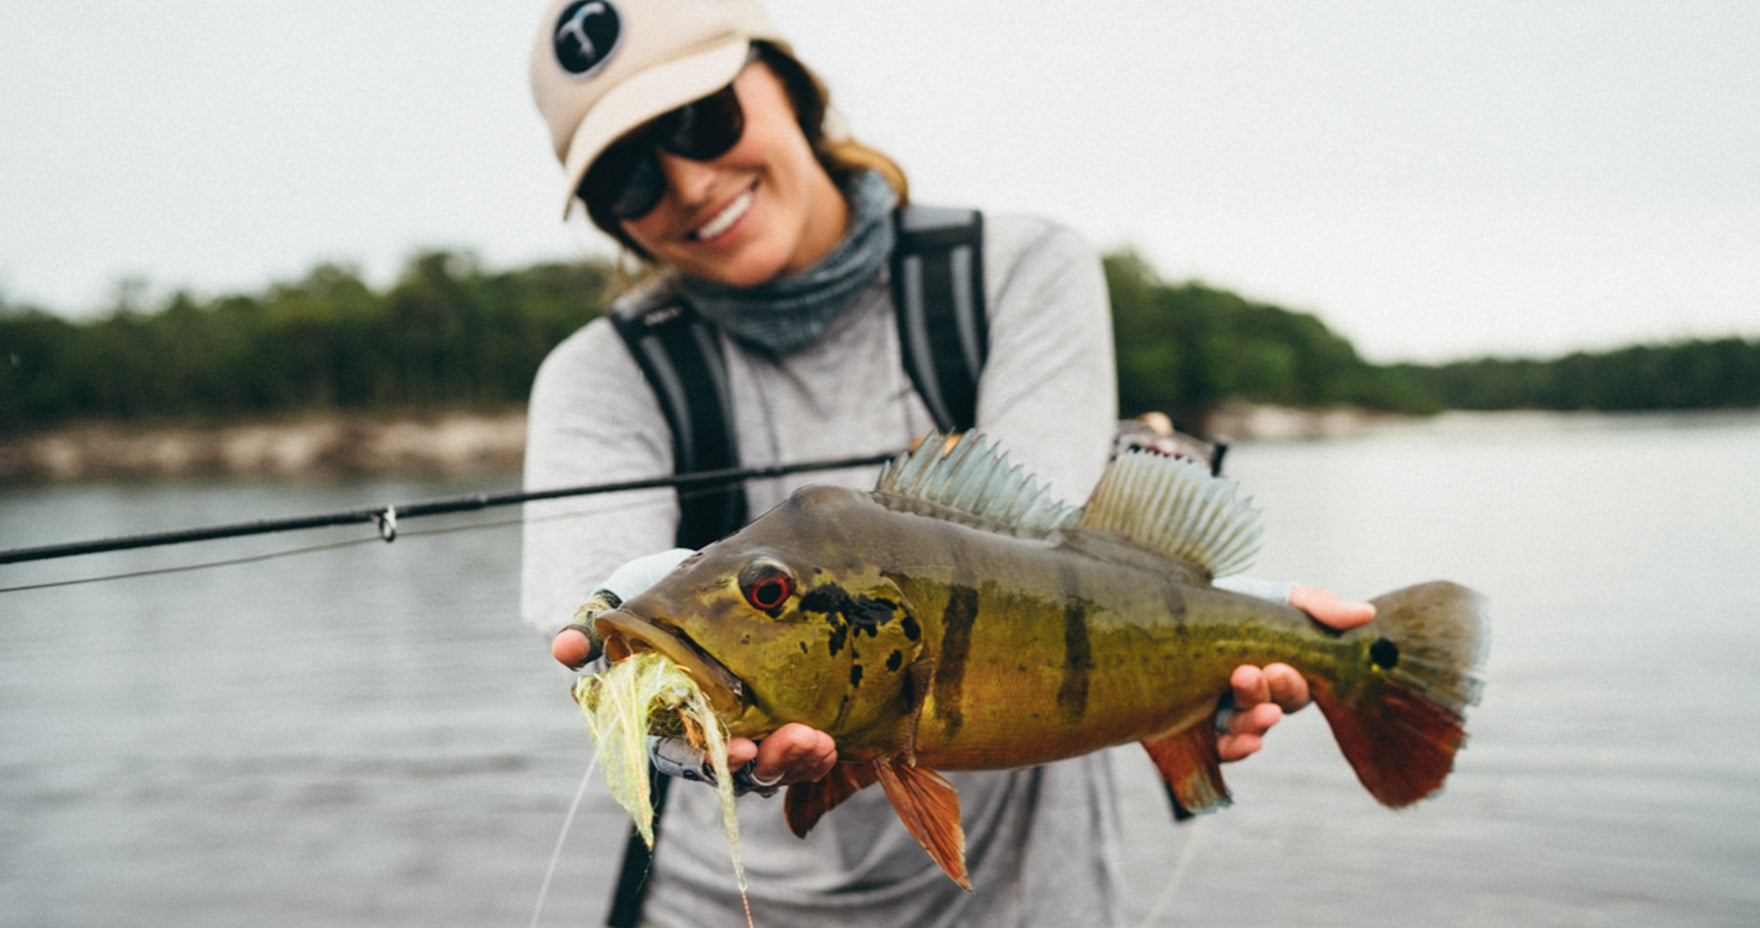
(774, 634)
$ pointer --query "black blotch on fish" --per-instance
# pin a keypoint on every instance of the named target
(848, 614)
(956, 645)
(907, 622)
(1078, 663)
(894, 661)
(1384, 653)
(912, 631)
(839, 634)
(855, 675)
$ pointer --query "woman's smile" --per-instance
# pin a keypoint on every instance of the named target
(724, 220)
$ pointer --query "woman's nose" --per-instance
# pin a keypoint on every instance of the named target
(690, 182)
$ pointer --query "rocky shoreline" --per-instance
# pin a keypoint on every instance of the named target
(457, 443)
(478, 442)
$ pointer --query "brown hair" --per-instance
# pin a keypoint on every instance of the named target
(840, 155)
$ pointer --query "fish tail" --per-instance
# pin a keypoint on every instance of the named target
(1399, 713)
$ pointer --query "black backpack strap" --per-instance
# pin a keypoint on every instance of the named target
(938, 291)
(680, 354)
(638, 862)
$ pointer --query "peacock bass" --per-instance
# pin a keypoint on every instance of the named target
(957, 617)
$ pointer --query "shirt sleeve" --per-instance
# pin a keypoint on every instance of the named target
(1049, 392)
(1276, 591)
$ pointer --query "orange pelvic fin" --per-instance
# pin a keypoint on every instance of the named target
(1191, 767)
(929, 808)
(806, 803)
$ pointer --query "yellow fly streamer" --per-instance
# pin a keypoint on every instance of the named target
(648, 693)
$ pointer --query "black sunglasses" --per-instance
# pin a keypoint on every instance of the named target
(627, 180)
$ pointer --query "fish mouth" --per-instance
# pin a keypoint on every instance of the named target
(626, 634)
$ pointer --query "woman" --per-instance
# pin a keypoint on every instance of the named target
(694, 137)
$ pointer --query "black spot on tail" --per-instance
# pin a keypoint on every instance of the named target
(1384, 653)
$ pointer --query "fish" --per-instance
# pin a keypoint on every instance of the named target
(959, 617)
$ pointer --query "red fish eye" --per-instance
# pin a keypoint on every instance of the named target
(766, 586)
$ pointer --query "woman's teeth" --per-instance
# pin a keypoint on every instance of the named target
(725, 219)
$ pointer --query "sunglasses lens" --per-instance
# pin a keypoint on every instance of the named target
(627, 180)
(641, 191)
(705, 129)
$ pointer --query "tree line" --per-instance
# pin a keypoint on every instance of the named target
(450, 333)
(1696, 374)
(447, 333)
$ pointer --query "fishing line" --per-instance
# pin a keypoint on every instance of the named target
(567, 822)
(688, 486)
(186, 568)
(1174, 879)
(310, 549)
(386, 517)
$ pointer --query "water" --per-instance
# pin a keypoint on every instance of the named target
(366, 735)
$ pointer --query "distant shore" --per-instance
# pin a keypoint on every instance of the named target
(453, 443)
(476, 442)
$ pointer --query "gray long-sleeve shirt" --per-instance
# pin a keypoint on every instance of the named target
(1041, 843)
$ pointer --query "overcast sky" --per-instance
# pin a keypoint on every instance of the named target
(1433, 181)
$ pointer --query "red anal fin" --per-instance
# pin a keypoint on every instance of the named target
(1191, 767)
(806, 803)
(929, 808)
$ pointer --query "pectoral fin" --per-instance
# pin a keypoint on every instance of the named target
(806, 803)
(1191, 767)
(929, 808)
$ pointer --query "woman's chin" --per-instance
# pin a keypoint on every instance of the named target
(737, 267)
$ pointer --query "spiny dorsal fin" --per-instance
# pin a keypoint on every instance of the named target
(973, 483)
(1176, 508)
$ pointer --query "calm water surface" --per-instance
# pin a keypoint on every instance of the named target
(366, 735)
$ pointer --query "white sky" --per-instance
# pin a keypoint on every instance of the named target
(1433, 181)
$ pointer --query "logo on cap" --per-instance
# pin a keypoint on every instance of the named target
(585, 36)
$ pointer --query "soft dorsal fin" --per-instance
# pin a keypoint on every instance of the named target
(1175, 508)
(973, 483)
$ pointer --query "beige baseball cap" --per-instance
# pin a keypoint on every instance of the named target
(603, 67)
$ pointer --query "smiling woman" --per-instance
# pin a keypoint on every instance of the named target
(764, 207)
(698, 141)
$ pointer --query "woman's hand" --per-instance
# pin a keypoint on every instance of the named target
(1262, 695)
(793, 753)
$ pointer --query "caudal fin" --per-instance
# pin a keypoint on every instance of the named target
(1399, 717)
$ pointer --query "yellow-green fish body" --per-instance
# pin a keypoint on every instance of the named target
(957, 618)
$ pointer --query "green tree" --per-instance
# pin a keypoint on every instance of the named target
(1188, 348)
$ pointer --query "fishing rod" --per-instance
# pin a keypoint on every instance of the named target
(387, 517)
